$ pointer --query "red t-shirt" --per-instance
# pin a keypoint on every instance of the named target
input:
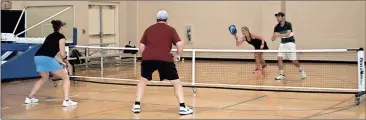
(158, 39)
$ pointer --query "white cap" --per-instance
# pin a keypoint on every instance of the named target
(162, 15)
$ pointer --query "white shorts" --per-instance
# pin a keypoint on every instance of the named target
(287, 55)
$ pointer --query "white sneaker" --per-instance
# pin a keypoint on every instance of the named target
(303, 74)
(280, 77)
(30, 100)
(185, 110)
(136, 108)
(69, 103)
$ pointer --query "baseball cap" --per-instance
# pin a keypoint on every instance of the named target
(280, 14)
(162, 15)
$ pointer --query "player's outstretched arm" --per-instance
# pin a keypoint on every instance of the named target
(238, 41)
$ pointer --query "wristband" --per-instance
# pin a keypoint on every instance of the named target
(177, 58)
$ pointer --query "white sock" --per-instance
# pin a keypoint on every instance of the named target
(281, 72)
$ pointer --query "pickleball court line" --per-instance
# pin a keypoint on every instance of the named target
(163, 105)
(328, 108)
(244, 102)
(172, 105)
(345, 108)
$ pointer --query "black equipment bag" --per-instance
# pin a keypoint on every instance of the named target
(77, 54)
(130, 51)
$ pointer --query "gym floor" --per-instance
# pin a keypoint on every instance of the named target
(110, 101)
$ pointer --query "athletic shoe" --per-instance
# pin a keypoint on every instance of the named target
(30, 100)
(68, 109)
(68, 103)
(136, 108)
(303, 74)
(185, 110)
(280, 77)
(257, 72)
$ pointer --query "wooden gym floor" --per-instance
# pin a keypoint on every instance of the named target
(97, 101)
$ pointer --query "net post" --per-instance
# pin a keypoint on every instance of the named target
(101, 36)
(361, 75)
(87, 57)
(194, 71)
(101, 59)
(120, 56)
(135, 59)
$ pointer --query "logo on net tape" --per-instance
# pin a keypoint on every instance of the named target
(361, 71)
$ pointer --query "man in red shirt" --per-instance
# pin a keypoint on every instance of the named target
(155, 46)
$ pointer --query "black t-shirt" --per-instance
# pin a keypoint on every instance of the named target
(283, 30)
(50, 46)
(257, 43)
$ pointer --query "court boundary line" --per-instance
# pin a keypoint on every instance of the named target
(328, 108)
(175, 105)
(100, 112)
(340, 109)
(256, 98)
(229, 110)
(86, 99)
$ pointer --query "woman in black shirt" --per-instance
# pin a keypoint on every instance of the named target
(258, 43)
(45, 63)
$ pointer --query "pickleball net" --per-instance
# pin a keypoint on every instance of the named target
(328, 70)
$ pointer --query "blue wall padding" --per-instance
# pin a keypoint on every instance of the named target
(74, 38)
(14, 47)
(22, 66)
